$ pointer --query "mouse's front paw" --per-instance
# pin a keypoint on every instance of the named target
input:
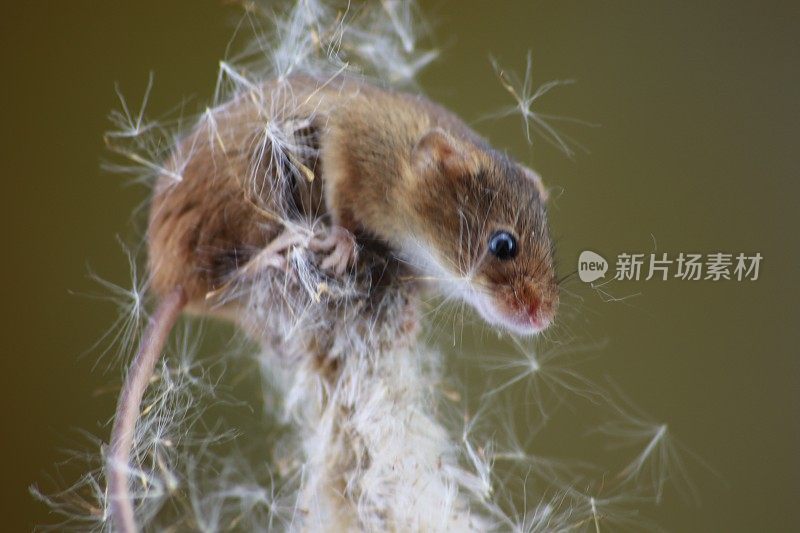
(340, 247)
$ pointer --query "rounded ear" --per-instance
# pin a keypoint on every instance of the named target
(537, 180)
(438, 150)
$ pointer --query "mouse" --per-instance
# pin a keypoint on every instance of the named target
(381, 168)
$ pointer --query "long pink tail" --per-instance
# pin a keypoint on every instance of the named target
(130, 400)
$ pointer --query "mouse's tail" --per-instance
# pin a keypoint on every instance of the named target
(127, 414)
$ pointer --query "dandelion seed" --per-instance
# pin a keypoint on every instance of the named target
(480, 459)
(132, 315)
(526, 96)
(548, 375)
(659, 460)
(229, 79)
(131, 124)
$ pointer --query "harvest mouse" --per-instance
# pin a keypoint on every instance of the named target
(381, 167)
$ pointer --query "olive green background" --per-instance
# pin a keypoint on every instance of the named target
(697, 148)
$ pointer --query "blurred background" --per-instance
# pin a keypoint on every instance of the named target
(694, 149)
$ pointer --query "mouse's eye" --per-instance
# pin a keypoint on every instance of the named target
(503, 245)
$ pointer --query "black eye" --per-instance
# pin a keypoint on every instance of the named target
(503, 245)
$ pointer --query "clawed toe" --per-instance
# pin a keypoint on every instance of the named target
(338, 248)
(341, 248)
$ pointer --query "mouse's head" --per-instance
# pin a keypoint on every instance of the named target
(485, 233)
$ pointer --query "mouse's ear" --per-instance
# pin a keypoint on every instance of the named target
(438, 150)
(537, 180)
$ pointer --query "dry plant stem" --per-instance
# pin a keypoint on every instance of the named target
(141, 370)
